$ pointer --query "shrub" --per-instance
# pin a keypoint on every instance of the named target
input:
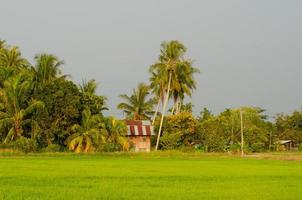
(25, 144)
(6, 146)
(53, 148)
(234, 148)
(110, 147)
(300, 147)
(199, 147)
(178, 131)
(257, 147)
(170, 141)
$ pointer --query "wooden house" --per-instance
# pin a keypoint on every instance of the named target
(139, 133)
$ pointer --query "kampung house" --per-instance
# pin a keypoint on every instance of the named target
(139, 133)
(285, 145)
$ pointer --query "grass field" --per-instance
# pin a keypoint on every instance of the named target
(150, 176)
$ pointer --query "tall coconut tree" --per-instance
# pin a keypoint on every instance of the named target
(172, 70)
(87, 135)
(16, 107)
(157, 85)
(139, 105)
(186, 85)
(46, 69)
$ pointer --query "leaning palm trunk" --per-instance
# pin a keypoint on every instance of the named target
(173, 109)
(164, 110)
(178, 106)
(156, 111)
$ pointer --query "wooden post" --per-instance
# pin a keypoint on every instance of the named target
(241, 130)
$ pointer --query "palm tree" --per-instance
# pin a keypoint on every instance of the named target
(11, 58)
(186, 85)
(95, 102)
(172, 71)
(5, 74)
(46, 70)
(158, 88)
(115, 131)
(88, 87)
(138, 106)
(2, 44)
(16, 110)
(87, 135)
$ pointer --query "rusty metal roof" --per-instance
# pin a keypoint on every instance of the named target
(139, 128)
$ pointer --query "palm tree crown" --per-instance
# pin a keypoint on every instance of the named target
(138, 106)
(87, 135)
(172, 63)
(46, 69)
(11, 58)
(94, 102)
(115, 132)
(16, 108)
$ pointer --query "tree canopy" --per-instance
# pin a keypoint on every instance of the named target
(41, 109)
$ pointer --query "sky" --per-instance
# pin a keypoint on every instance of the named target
(249, 52)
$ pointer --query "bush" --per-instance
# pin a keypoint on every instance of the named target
(25, 145)
(257, 147)
(199, 147)
(179, 130)
(234, 148)
(52, 148)
(300, 147)
(110, 147)
(170, 141)
(187, 149)
(6, 146)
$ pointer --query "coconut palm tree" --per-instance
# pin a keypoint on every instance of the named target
(5, 74)
(47, 69)
(88, 135)
(95, 103)
(11, 57)
(157, 85)
(115, 131)
(138, 106)
(185, 87)
(2, 44)
(172, 71)
(88, 87)
(16, 108)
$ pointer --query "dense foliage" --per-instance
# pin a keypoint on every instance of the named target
(42, 109)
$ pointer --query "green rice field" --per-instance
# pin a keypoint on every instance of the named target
(151, 176)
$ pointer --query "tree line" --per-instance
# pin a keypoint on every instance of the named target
(42, 109)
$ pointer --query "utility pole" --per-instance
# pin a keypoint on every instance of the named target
(241, 130)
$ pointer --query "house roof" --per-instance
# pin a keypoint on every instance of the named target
(139, 128)
(284, 141)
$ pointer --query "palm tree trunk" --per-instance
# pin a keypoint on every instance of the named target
(173, 109)
(164, 110)
(177, 106)
(156, 111)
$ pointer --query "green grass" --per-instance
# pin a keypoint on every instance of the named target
(148, 176)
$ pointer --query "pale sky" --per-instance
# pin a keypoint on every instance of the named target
(249, 51)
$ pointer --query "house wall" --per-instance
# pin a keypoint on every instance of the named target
(141, 143)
